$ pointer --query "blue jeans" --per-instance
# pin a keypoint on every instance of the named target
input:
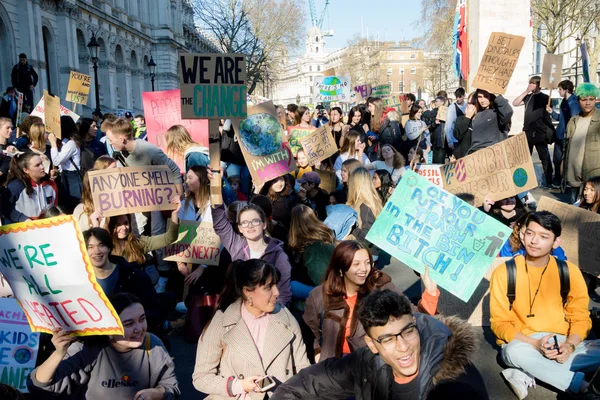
(567, 376)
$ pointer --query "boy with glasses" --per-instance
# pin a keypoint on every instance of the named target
(407, 357)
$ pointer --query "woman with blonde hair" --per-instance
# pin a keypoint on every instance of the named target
(84, 213)
(182, 149)
(364, 199)
(389, 160)
(38, 139)
(104, 162)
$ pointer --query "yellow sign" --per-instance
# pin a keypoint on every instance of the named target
(79, 88)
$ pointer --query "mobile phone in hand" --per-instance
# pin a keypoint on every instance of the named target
(556, 346)
(265, 383)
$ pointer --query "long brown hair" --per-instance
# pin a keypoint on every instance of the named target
(306, 228)
(399, 161)
(271, 194)
(204, 191)
(376, 119)
(86, 194)
(595, 206)
(133, 249)
(17, 170)
(298, 114)
(178, 141)
(341, 261)
(515, 237)
(37, 136)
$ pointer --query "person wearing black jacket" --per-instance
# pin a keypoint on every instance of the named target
(408, 356)
(25, 79)
(391, 131)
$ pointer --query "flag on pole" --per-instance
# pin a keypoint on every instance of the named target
(460, 41)
(585, 61)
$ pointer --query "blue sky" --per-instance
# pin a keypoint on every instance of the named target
(395, 20)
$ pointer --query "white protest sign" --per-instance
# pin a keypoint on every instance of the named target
(38, 111)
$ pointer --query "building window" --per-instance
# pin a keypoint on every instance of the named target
(401, 86)
(413, 55)
(317, 49)
(389, 71)
(389, 56)
(413, 86)
(391, 85)
(317, 39)
(310, 68)
(318, 68)
(413, 70)
(310, 78)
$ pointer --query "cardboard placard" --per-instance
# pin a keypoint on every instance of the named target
(198, 243)
(328, 180)
(423, 225)
(39, 111)
(319, 145)
(162, 110)
(48, 268)
(403, 101)
(329, 72)
(431, 172)
(364, 90)
(498, 62)
(118, 191)
(551, 71)
(442, 113)
(580, 237)
(216, 193)
(79, 88)
(19, 108)
(52, 114)
(213, 86)
(19, 346)
(332, 88)
(294, 134)
(263, 144)
(500, 171)
(382, 91)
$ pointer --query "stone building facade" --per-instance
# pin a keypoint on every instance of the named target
(54, 34)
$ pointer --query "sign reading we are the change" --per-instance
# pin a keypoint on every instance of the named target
(424, 225)
(332, 88)
(198, 243)
(499, 171)
(262, 141)
(48, 268)
(18, 347)
(117, 191)
(498, 62)
(213, 86)
(79, 88)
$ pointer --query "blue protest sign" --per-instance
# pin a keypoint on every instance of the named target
(423, 224)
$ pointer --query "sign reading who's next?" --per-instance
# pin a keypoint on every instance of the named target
(213, 86)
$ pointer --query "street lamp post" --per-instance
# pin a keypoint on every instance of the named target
(577, 43)
(94, 48)
(152, 68)
(440, 60)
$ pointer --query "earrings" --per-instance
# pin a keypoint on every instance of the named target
(250, 301)
(341, 273)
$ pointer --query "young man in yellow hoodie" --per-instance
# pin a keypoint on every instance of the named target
(526, 330)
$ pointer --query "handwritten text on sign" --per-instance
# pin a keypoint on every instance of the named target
(48, 268)
(18, 345)
(198, 243)
(431, 172)
(499, 171)
(498, 62)
(39, 109)
(213, 85)
(332, 88)
(117, 191)
(423, 225)
(79, 88)
(319, 145)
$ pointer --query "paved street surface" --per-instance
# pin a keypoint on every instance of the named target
(407, 281)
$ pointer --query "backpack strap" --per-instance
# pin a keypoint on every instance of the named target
(511, 274)
(565, 280)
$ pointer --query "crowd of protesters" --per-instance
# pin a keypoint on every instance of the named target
(298, 283)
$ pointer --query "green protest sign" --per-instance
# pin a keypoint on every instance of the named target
(422, 224)
(382, 91)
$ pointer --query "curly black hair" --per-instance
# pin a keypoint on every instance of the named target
(377, 308)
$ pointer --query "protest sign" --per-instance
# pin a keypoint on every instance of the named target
(329, 72)
(52, 114)
(39, 109)
(19, 346)
(19, 108)
(431, 172)
(319, 145)
(216, 182)
(332, 88)
(423, 225)
(551, 71)
(263, 144)
(198, 243)
(79, 88)
(162, 110)
(213, 86)
(48, 268)
(442, 113)
(499, 171)
(403, 101)
(294, 134)
(498, 62)
(328, 180)
(580, 236)
(364, 90)
(117, 191)
(382, 91)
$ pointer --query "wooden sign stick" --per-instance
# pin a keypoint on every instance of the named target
(215, 162)
(74, 107)
(550, 97)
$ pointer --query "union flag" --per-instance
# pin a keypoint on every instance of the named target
(460, 41)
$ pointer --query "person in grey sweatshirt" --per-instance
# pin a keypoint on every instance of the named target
(133, 366)
(490, 120)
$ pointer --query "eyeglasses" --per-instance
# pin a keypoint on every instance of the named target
(247, 224)
(409, 333)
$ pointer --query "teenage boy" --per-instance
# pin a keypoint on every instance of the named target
(312, 195)
(407, 357)
(549, 300)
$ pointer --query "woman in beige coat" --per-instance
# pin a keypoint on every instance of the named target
(250, 336)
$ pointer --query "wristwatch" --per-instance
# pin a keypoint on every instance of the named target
(572, 346)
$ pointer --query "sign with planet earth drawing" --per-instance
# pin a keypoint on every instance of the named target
(263, 144)
(499, 171)
(332, 88)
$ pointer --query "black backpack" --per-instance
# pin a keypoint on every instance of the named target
(511, 272)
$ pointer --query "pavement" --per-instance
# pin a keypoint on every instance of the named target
(406, 281)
